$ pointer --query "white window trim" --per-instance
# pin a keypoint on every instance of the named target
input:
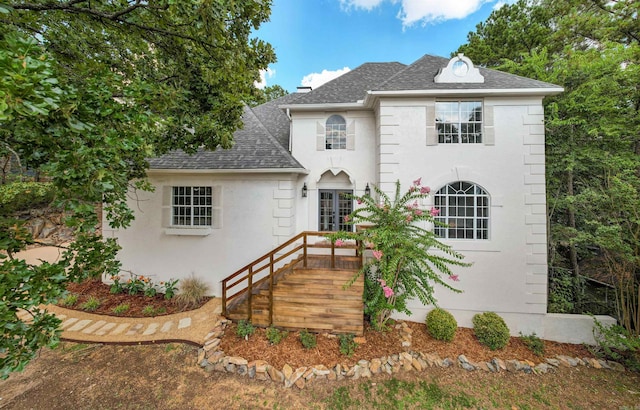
(460, 102)
(188, 230)
(445, 218)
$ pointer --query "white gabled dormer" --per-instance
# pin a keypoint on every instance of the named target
(459, 70)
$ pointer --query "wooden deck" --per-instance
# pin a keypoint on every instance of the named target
(311, 298)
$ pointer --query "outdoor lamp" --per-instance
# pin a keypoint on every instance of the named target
(304, 190)
(367, 190)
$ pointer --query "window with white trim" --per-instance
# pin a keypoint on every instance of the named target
(336, 133)
(464, 208)
(192, 206)
(459, 122)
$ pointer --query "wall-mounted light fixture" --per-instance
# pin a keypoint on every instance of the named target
(304, 190)
(367, 190)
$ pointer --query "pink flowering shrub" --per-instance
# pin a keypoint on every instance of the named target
(404, 264)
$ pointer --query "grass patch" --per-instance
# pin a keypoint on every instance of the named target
(91, 305)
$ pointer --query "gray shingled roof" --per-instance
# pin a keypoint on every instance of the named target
(352, 86)
(274, 119)
(255, 148)
(420, 76)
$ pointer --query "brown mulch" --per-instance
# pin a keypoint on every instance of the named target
(109, 301)
(378, 344)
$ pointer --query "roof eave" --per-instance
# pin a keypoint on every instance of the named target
(324, 106)
(482, 92)
(160, 171)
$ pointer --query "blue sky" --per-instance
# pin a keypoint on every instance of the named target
(316, 40)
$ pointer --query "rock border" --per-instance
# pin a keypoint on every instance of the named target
(211, 358)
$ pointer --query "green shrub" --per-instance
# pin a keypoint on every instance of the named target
(491, 330)
(617, 344)
(22, 196)
(69, 300)
(347, 344)
(534, 343)
(120, 309)
(192, 292)
(149, 310)
(91, 305)
(307, 339)
(441, 324)
(275, 336)
(245, 329)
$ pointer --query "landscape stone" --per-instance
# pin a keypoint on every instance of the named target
(287, 371)
(375, 366)
(275, 374)
(239, 361)
(553, 362)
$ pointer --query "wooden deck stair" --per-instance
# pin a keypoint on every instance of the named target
(310, 297)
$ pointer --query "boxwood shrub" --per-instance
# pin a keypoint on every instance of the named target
(491, 330)
(441, 324)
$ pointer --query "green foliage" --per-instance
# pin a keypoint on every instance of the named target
(408, 258)
(347, 344)
(618, 344)
(69, 300)
(170, 288)
(266, 94)
(561, 291)
(192, 292)
(245, 329)
(135, 284)
(275, 336)
(120, 309)
(308, 339)
(149, 310)
(534, 343)
(88, 91)
(116, 286)
(21, 196)
(441, 324)
(491, 330)
(91, 304)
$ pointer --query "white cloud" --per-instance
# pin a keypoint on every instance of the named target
(315, 80)
(360, 4)
(264, 74)
(425, 11)
(502, 3)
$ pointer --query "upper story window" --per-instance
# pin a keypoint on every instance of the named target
(459, 122)
(464, 207)
(336, 133)
(192, 206)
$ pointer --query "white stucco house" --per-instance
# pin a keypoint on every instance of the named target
(475, 136)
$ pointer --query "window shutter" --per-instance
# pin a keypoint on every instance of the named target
(217, 207)
(432, 132)
(488, 133)
(351, 136)
(320, 137)
(167, 192)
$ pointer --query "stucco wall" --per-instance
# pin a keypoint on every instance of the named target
(258, 213)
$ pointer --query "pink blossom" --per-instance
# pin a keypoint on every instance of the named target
(359, 201)
(377, 255)
(454, 278)
(418, 212)
(388, 292)
(347, 218)
(413, 205)
(434, 211)
(417, 182)
(412, 188)
(425, 190)
(383, 283)
(339, 242)
(409, 218)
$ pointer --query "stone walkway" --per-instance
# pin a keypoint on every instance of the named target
(191, 326)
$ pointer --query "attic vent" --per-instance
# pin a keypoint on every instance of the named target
(459, 70)
(303, 89)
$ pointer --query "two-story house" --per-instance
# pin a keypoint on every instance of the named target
(475, 136)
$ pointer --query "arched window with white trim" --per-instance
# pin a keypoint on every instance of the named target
(336, 133)
(464, 208)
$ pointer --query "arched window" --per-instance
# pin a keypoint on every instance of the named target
(336, 133)
(464, 207)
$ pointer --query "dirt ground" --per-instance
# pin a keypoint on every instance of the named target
(77, 376)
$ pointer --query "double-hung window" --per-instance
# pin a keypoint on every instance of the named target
(192, 206)
(459, 122)
(464, 209)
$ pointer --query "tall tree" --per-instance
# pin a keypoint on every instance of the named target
(88, 90)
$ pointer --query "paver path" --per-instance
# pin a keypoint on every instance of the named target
(191, 326)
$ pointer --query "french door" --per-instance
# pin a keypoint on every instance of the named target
(334, 205)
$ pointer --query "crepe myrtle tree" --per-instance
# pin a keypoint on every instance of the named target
(408, 259)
